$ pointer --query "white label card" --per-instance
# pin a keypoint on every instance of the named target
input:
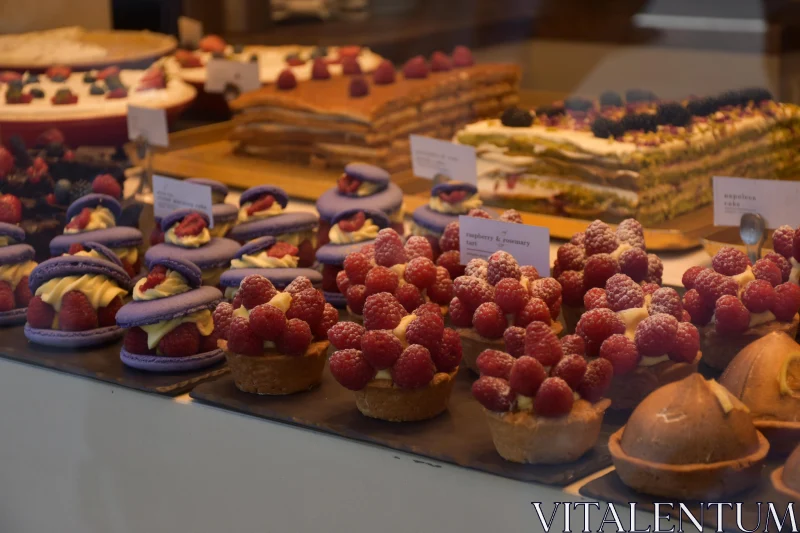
(223, 75)
(190, 31)
(432, 157)
(774, 200)
(148, 123)
(481, 237)
(171, 194)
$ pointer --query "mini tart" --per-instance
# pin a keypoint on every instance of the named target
(765, 376)
(523, 437)
(628, 390)
(690, 440)
(383, 400)
(274, 374)
(473, 344)
(786, 479)
(718, 350)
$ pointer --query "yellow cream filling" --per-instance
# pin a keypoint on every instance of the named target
(173, 284)
(101, 218)
(210, 276)
(398, 216)
(5, 240)
(462, 207)
(129, 255)
(13, 274)
(156, 332)
(189, 241)
(367, 188)
(263, 260)
(99, 289)
(367, 232)
(274, 209)
(220, 230)
(282, 300)
(230, 292)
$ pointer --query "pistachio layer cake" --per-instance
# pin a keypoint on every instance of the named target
(642, 158)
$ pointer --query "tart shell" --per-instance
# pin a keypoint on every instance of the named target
(628, 391)
(383, 400)
(719, 350)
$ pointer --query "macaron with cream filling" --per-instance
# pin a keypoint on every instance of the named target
(448, 200)
(16, 264)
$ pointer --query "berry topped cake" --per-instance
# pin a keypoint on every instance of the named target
(735, 303)
(613, 158)
(275, 342)
(545, 407)
(401, 365)
(593, 256)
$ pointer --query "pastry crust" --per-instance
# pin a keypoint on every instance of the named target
(628, 391)
(473, 344)
(719, 350)
(275, 374)
(383, 400)
(525, 438)
(777, 481)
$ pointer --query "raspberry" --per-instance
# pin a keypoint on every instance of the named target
(356, 266)
(428, 307)
(242, 339)
(181, 341)
(389, 248)
(479, 213)
(107, 184)
(107, 316)
(511, 215)
(510, 295)
(299, 284)
(209, 343)
(573, 345)
(553, 399)
(356, 296)
(79, 221)
(76, 313)
(420, 272)
(351, 369)
(530, 272)
(712, 285)
(595, 299)
(542, 344)
(597, 325)
(414, 368)
(489, 320)
(596, 380)
(296, 338)
(690, 276)
(384, 73)
(655, 335)
(598, 269)
(758, 296)
(731, 316)
(382, 311)
(415, 68)
(447, 355)
(687, 344)
(787, 301)
(526, 376)
(633, 263)
(350, 66)
(441, 291)
(358, 87)
(621, 352)
(426, 331)
(547, 289)
(655, 269)
(268, 322)
(460, 316)
(223, 315)
(308, 306)
(380, 348)
(534, 311)
(417, 246)
(256, 290)
(478, 268)
(450, 238)
(155, 277)
(768, 271)
(571, 257)
(493, 393)
(649, 288)
(342, 281)
(685, 316)
(136, 342)
(409, 297)
(381, 279)
(782, 263)
(578, 239)
(730, 261)
(623, 293)
(502, 265)
(76, 247)
(192, 224)
(330, 317)
(600, 239)
(40, 314)
(11, 209)
(346, 335)
(783, 241)
(571, 283)
(571, 369)
(7, 301)
(281, 249)
(514, 339)
(473, 291)
(462, 57)
(694, 304)
(666, 300)
(630, 231)
(452, 262)
(495, 363)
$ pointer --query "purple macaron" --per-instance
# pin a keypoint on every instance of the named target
(218, 189)
(14, 254)
(435, 221)
(334, 254)
(254, 193)
(178, 215)
(92, 201)
(13, 233)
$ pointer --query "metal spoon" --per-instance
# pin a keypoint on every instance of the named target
(751, 230)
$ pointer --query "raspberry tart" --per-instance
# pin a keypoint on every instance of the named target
(786, 479)
(594, 255)
(543, 407)
(401, 366)
(75, 301)
(690, 440)
(16, 264)
(735, 303)
(765, 376)
(169, 323)
(275, 342)
(643, 331)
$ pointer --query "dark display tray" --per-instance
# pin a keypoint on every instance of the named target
(459, 436)
(101, 363)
